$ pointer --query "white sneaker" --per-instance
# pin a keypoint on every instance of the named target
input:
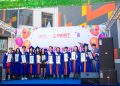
(25, 78)
(22, 78)
(3, 79)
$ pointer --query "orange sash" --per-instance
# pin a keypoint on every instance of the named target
(84, 66)
(38, 68)
(65, 68)
(30, 68)
(57, 69)
(50, 66)
(74, 66)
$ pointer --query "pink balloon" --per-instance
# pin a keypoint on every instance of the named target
(19, 41)
(102, 35)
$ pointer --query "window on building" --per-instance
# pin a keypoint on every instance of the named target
(26, 17)
(47, 19)
(0, 14)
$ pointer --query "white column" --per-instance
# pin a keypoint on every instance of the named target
(11, 43)
(118, 27)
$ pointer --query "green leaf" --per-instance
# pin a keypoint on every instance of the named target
(46, 3)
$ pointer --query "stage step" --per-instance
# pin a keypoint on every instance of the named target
(56, 81)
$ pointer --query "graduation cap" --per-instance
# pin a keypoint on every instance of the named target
(45, 49)
(31, 47)
(85, 45)
(37, 48)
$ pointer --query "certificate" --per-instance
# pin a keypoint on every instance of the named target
(38, 58)
(90, 55)
(9, 58)
(50, 59)
(65, 57)
(43, 57)
(58, 59)
(83, 59)
(23, 59)
(16, 57)
(32, 59)
(73, 57)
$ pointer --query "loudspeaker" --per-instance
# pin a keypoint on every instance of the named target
(89, 78)
(108, 77)
(106, 57)
(0, 73)
(117, 67)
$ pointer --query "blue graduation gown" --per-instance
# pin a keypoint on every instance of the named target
(24, 66)
(88, 63)
(33, 65)
(60, 66)
(48, 65)
(17, 65)
(77, 63)
(68, 63)
(11, 63)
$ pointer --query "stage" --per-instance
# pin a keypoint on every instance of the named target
(46, 81)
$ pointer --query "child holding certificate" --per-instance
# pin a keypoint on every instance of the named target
(75, 62)
(59, 63)
(32, 63)
(50, 63)
(43, 63)
(17, 63)
(86, 57)
(38, 62)
(24, 63)
(8, 64)
(66, 60)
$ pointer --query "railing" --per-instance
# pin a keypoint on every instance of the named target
(115, 15)
(7, 27)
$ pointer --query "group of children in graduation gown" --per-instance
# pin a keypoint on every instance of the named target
(47, 64)
(91, 62)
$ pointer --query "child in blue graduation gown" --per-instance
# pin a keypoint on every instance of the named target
(66, 61)
(43, 63)
(50, 68)
(75, 62)
(95, 61)
(58, 62)
(17, 63)
(86, 66)
(32, 63)
(24, 63)
(38, 62)
(8, 62)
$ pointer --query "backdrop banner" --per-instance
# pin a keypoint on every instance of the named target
(59, 36)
